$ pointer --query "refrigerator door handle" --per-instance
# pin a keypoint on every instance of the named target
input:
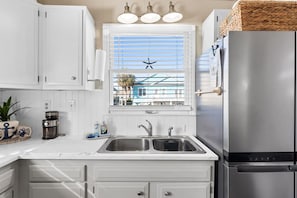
(217, 90)
(254, 169)
(293, 168)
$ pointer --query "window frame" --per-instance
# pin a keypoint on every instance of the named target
(190, 31)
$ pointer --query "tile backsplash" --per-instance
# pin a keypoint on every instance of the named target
(79, 110)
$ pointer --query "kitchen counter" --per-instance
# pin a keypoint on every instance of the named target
(70, 148)
(12, 152)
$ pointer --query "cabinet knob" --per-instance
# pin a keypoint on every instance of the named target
(140, 193)
(167, 193)
(73, 77)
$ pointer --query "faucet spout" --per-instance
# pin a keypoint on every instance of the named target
(148, 129)
(170, 131)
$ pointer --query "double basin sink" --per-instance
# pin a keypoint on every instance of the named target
(170, 144)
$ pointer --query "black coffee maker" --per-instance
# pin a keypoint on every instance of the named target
(50, 125)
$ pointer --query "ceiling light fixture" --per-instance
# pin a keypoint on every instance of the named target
(127, 17)
(150, 16)
(172, 16)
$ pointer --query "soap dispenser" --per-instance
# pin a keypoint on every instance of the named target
(104, 130)
(96, 129)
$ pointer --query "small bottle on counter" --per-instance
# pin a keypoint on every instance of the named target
(104, 130)
(96, 129)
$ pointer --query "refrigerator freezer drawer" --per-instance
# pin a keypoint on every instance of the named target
(258, 181)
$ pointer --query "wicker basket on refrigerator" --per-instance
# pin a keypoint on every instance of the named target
(261, 15)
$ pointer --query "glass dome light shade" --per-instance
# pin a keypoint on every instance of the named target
(172, 16)
(150, 16)
(127, 17)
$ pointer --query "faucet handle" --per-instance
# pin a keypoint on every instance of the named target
(170, 130)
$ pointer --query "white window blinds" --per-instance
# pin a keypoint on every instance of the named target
(150, 69)
(148, 52)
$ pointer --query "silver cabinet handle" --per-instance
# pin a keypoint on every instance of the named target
(140, 193)
(167, 193)
(259, 169)
(73, 77)
(217, 90)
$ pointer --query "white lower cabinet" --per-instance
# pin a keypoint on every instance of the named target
(115, 179)
(121, 189)
(57, 190)
(8, 181)
(153, 179)
(152, 190)
(56, 179)
(7, 194)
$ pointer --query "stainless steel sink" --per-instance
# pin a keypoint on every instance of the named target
(154, 144)
(139, 144)
(173, 145)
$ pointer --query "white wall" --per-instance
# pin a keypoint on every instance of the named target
(92, 106)
(107, 11)
(89, 107)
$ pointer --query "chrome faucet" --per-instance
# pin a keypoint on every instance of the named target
(170, 130)
(148, 129)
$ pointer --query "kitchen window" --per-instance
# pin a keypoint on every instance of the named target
(150, 64)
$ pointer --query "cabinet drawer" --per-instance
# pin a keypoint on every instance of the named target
(56, 173)
(57, 190)
(122, 189)
(152, 171)
(180, 189)
(6, 179)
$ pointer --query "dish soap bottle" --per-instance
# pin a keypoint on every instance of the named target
(104, 130)
(96, 129)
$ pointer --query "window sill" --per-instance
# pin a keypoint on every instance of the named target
(152, 110)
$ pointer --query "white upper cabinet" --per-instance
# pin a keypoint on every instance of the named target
(211, 27)
(19, 44)
(51, 44)
(67, 46)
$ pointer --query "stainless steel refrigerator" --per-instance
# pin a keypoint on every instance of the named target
(252, 124)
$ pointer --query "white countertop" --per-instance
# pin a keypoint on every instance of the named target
(70, 148)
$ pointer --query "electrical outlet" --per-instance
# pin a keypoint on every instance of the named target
(47, 105)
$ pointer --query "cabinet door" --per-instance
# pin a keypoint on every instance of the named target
(7, 194)
(121, 189)
(62, 33)
(56, 190)
(19, 44)
(180, 190)
(7, 178)
(211, 27)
